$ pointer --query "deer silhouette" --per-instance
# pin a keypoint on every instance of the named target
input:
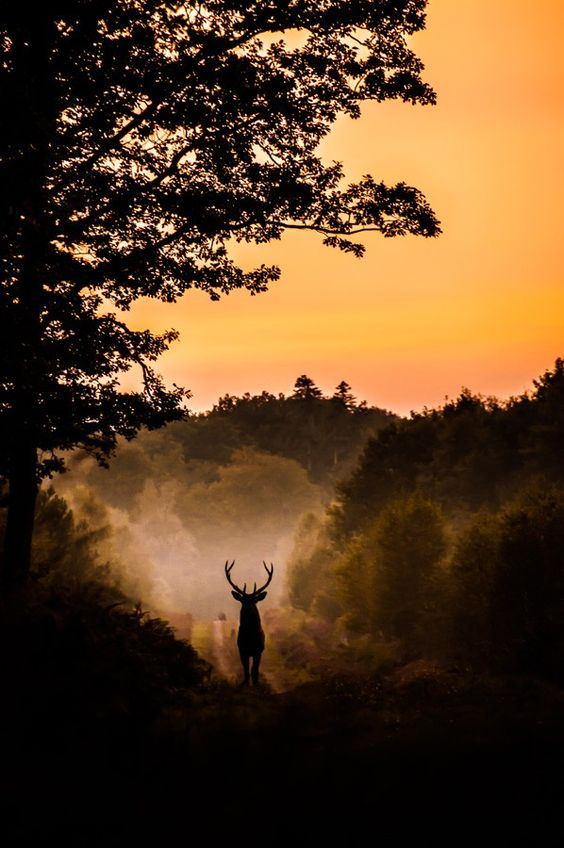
(250, 638)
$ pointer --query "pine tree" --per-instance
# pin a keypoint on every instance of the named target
(344, 395)
(305, 389)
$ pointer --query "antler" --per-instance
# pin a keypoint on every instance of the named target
(270, 572)
(231, 583)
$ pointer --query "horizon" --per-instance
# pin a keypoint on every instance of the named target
(328, 391)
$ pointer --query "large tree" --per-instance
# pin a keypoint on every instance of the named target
(139, 137)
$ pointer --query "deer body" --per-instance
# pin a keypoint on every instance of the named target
(250, 638)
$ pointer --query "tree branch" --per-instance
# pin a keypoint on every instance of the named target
(150, 109)
(326, 230)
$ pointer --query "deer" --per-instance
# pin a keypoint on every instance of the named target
(250, 638)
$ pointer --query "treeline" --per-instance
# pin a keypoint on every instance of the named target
(324, 434)
(447, 540)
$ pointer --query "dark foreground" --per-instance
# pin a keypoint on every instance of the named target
(445, 758)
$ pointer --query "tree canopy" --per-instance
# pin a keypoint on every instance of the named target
(447, 539)
(144, 137)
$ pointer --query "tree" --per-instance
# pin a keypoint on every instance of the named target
(385, 575)
(306, 390)
(143, 137)
(411, 539)
(344, 396)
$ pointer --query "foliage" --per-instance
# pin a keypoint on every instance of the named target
(411, 538)
(473, 452)
(385, 576)
(254, 490)
(74, 645)
(72, 657)
(509, 573)
(325, 435)
(306, 390)
(65, 551)
(356, 572)
(82, 550)
(66, 556)
(544, 447)
(483, 583)
(344, 395)
(308, 578)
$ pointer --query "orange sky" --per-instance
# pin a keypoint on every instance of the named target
(483, 305)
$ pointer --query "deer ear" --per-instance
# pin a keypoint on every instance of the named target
(261, 597)
(237, 596)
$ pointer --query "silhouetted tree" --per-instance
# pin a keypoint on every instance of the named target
(344, 395)
(138, 139)
(305, 389)
(546, 442)
(470, 453)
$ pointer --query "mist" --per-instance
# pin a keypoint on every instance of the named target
(179, 524)
(230, 484)
(370, 522)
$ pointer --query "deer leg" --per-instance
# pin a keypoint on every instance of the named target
(255, 669)
(245, 658)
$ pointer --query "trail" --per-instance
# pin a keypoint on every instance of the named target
(222, 648)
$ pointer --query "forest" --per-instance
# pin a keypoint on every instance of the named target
(420, 598)
(410, 570)
(230, 483)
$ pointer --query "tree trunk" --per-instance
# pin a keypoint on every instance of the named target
(21, 512)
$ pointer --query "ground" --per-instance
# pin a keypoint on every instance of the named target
(424, 752)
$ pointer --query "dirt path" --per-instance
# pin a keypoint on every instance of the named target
(222, 648)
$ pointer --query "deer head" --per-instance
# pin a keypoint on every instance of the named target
(248, 599)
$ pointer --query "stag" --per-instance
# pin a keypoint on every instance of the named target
(250, 639)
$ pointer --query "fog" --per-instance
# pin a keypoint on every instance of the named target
(174, 522)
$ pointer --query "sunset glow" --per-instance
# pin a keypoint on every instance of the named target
(481, 306)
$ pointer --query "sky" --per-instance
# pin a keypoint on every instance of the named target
(417, 319)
